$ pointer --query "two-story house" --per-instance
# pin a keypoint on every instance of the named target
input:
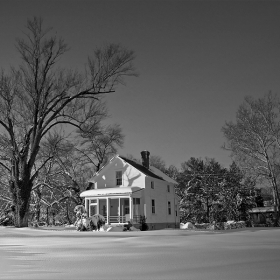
(124, 189)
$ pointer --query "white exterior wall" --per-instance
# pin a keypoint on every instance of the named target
(131, 176)
(161, 197)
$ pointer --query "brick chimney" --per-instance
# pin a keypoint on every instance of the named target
(145, 159)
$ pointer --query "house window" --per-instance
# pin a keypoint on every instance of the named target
(152, 185)
(168, 188)
(136, 200)
(169, 208)
(153, 206)
(119, 178)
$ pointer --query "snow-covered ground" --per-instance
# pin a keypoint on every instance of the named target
(164, 254)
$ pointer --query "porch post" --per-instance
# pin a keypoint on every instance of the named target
(107, 202)
(131, 209)
(119, 210)
(86, 206)
(97, 210)
(145, 210)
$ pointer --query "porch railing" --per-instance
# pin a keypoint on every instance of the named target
(136, 219)
(121, 219)
(117, 219)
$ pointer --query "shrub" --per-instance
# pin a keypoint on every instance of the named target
(143, 224)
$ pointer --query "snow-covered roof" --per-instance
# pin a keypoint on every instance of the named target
(109, 191)
(262, 209)
(151, 172)
(141, 168)
(162, 175)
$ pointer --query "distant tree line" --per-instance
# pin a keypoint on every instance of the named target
(209, 192)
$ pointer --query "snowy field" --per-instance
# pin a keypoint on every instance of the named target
(164, 254)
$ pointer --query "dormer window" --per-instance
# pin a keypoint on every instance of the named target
(119, 178)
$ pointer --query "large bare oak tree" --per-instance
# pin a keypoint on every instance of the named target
(37, 96)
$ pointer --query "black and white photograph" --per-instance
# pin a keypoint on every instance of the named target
(140, 139)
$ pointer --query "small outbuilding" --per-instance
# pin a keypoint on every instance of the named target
(262, 215)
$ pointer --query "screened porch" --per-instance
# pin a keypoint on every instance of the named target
(116, 205)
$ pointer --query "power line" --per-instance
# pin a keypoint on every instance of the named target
(207, 174)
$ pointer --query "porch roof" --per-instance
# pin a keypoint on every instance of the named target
(109, 191)
(262, 209)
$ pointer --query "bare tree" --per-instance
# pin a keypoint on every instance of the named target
(98, 146)
(65, 175)
(255, 140)
(5, 196)
(172, 171)
(158, 162)
(37, 96)
(155, 161)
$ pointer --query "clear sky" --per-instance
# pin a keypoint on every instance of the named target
(197, 61)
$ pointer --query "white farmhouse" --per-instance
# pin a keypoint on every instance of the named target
(123, 190)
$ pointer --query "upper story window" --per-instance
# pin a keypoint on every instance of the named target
(152, 185)
(118, 178)
(169, 208)
(153, 206)
(168, 188)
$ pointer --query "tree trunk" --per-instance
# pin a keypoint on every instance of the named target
(207, 210)
(276, 200)
(21, 191)
(276, 208)
(38, 206)
(47, 219)
(67, 213)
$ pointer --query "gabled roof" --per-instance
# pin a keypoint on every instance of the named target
(152, 172)
(141, 168)
(163, 175)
